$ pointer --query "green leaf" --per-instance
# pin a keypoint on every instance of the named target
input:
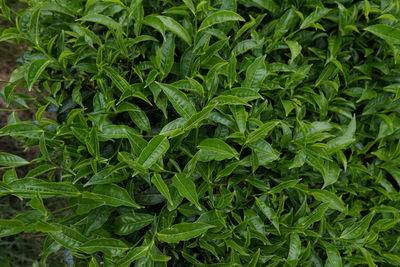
(154, 151)
(269, 213)
(183, 232)
(117, 79)
(368, 257)
(186, 188)
(109, 246)
(246, 94)
(261, 131)
(130, 223)
(215, 149)
(112, 195)
(134, 254)
(21, 129)
(34, 71)
(158, 181)
(198, 117)
(358, 228)
(137, 115)
(30, 187)
(334, 258)
(283, 185)
(315, 216)
(294, 249)
(295, 49)
(68, 237)
(310, 20)
(256, 73)
(92, 144)
(330, 173)
(219, 17)
(37, 203)
(10, 160)
(269, 5)
(101, 19)
(388, 33)
(254, 259)
(331, 198)
(176, 28)
(179, 100)
(11, 227)
(240, 115)
(190, 5)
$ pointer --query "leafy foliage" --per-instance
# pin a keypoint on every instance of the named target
(209, 133)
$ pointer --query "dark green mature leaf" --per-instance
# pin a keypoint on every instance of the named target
(129, 223)
(251, 132)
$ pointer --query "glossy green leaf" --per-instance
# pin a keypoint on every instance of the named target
(388, 33)
(176, 28)
(316, 215)
(101, 19)
(108, 246)
(179, 100)
(117, 79)
(130, 223)
(159, 183)
(219, 17)
(294, 249)
(186, 188)
(34, 71)
(256, 73)
(268, 212)
(10, 160)
(257, 132)
(112, 195)
(134, 254)
(183, 232)
(215, 149)
(358, 228)
(328, 197)
(334, 258)
(261, 131)
(154, 151)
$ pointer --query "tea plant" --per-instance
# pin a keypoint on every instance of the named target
(208, 133)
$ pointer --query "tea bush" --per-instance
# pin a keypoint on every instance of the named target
(208, 133)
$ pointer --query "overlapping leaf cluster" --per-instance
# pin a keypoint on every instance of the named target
(209, 133)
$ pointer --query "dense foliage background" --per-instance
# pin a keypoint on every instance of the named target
(206, 133)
